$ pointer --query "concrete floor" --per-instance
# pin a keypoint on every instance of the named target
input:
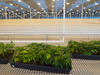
(50, 26)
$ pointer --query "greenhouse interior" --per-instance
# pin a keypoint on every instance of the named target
(49, 37)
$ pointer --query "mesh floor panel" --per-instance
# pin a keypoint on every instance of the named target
(80, 67)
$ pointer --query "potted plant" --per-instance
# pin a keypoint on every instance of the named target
(84, 50)
(42, 57)
(6, 52)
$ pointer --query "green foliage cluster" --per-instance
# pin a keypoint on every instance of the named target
(85, 48)
(44, 55)
(6, 48)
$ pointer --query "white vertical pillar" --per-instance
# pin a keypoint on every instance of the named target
(5, 13)
(82, 14)
(70, 14)
(9, 15)
(63, 20)
(56, 14)
(85, 15)
(30, 12)
(90, 15)
(30, 9)
(82, 10)
(39, 15)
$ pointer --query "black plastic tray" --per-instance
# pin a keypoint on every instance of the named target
(5, 61)
(41, 68)
(88, 57)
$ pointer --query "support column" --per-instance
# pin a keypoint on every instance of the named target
(70, 14)
(30, 9)
(5, 13)
(82, 10)
(64, 20)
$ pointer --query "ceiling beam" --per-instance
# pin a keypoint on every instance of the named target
(49, 4)
(85, 3)
(32, 4)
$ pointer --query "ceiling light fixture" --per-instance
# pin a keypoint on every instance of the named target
(34, 9)
(53, 0)
(22, 8)
(42, 8)
(39, 3)
(96, 3)
(53, 6)
(19, 0)
(89, 9)
(97, 12)
(67, 3)
(93, 10)
(12, 11)
(77, 6)
(11, 4)
(88, 0)
(28, 6)
(84, 8)
(6, 7)
(70, 9)
(37, 12)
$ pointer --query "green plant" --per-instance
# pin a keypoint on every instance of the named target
(6, 49)
(43, 54)
(85, 48)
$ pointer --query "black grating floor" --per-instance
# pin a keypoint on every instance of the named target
(80, 67)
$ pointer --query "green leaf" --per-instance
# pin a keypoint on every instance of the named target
(16, 59)
(25, 60)
(48, 56)
(0, 52)
(87, 53)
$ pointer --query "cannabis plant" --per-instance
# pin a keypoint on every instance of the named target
(85, 48)
(6, 49)
(43, 54)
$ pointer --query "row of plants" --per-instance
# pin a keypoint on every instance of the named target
(44, 55)
(84, 48)
(49, 55)
(6, 50)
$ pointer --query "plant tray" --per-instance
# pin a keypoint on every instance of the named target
(87, 57)
(41, 68)
(5, 61)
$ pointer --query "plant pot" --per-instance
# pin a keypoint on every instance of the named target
(5, 61)
(41, 68)
(87, 57)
